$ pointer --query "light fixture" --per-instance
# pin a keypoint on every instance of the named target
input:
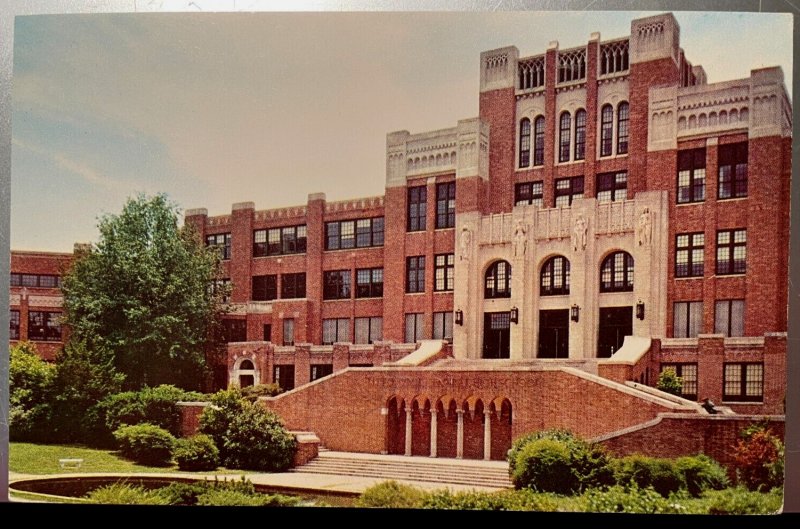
(640, 310)
(574, 313)
(459, 317)
(514, 315)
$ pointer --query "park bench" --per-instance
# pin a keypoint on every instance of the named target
(70, 462)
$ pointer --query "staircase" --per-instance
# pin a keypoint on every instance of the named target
(480, 474)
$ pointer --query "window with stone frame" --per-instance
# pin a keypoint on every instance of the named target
(554, 278)
(529, 193)
(498, 280)
(616, 273)
(568, 189)
(612, 186)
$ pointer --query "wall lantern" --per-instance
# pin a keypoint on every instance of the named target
(459, 317)
(640, 310)
(574, 312)
(514, 315)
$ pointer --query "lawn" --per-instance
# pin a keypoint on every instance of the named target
(29, 458)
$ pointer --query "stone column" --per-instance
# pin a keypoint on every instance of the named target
(460, 435)
(487, 434)
(408, 431)
(434, 431)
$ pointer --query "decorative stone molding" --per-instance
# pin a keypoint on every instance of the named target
(46, 301)
(644, 228)
(579, 233)
(464, 243)
(520, 239)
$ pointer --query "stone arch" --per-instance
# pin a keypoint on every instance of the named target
(497, 279)
(502, 418)
(734, 115)
(245, 373)
(713, 119)
(702, 120)
(558, 275)
(692, 121)
(447, 426)
(395, 425)
(744, 115)
(610, 278)
(473, 427)
(723, 117)
(682, 123)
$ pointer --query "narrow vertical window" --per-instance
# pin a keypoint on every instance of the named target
(525, 143)
(563, 137)
(606, 130)
(622, 128)
(538, 141)
(417, 205)
(580, 134)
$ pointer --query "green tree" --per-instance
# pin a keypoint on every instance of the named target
(30, 389)
(670, 382)
(143, 294)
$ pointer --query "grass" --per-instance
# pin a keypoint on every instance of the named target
(29, 458)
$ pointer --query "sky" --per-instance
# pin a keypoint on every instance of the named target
(224, 108)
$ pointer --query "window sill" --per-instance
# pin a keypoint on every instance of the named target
(444, 291)
(732, 199)
(601, 158)
(277, 255)
(337, 299)
(415, 293)
(689, 278)
(737, 274)
(353, 249)
(743, 402)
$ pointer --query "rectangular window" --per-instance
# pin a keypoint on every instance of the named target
(689, 254)
(336, 284)
(234, 330)
(688, 375)
(729, 317)
(580, 135)
(606, 130)
(35, 280)
(446, 205)
(622, 128)
(267, 332)
(293, 285)
(731, 251)
(529, 193)
(335, 330)
(362, 233)
(283, 376)
(687, 319)
(415, 327)
(44, 326)
(221, 241)
(444, 269)
(538, 141)
(369, 282)
(222, 287)
(612, 186)
(320, 370)
(415, 274)
(417, 208)
(369, 330)
(288, 331)
(568, 189)
(279, 241)
(691, 176)
(744, 382)
(732, 171)
(443, 326)
(14, 325)
(265, 288)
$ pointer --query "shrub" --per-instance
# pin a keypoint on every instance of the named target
(145, 443)
(391, 494)
(670, 382)
(509, 500)
(222, 497)
(618, 499)
(126, 494)
(758, 456)
(742, 501)
(644, 471)
(701, 473)
(252, 393)
(222, 493)
(30, 384)
(196, 453)
(215, 419)
(557, 461)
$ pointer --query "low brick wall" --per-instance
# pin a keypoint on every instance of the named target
(673, 435)
(307, 448)
(190, 417)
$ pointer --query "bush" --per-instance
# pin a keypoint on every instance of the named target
(196, 453)
(252, 393)
(221, 497)
(391, 494)
(222, 493)
(742, 501)
(701, 473)
(557, 461)
(126, 494)
(758, 456)
(248, 436)
(670, 382)
(644, 471)
(30, 384)
(145, 444)
(508, 500)
(618, 499)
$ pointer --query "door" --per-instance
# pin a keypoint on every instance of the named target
(496, 334)
(554, 333)
(615, 324)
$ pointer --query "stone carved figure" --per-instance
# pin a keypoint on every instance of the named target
(465, 242)
(644, 228)
(579, 234)
(520, 239)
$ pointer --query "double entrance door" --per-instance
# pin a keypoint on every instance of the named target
(496, 334)
(615, 324)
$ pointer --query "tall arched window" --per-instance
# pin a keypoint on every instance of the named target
(554, 279)
(606, 130)
(580, 134)
(563, 137)
(246, 364)
(616, 273)
(622, 128)
(538, 141)
(525, 142)
(498, 280)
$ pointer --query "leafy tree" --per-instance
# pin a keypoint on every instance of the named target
(30, 390)
(143, 294)
(670, 382)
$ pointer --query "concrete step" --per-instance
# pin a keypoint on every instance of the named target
(417, 468)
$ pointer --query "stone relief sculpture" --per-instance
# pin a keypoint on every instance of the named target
(465, 242)
(644, 228)
(520, 239)
(579, 234)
